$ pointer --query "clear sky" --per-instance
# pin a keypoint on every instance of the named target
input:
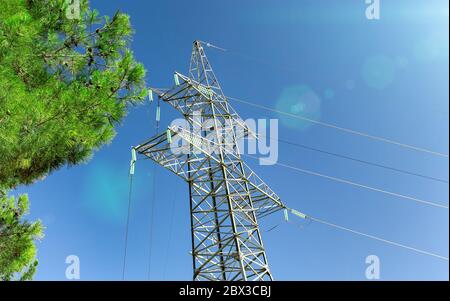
(386, 77)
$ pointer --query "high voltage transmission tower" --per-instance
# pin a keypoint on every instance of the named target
(226, 197)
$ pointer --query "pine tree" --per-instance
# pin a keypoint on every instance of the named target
(65, 83)
(17, 249)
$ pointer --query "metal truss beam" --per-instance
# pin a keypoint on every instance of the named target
(226, 196)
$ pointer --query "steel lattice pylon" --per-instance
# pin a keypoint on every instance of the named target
(226, 196)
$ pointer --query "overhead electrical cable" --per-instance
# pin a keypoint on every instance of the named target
(347, 130)
(169, 240)
(314, 219)
(304, 146)
(152, 202)
(344, 181)
(130, 187)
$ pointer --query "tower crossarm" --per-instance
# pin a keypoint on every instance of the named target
(264, 199)
(186, 146)
(192, 98)
(158, 149)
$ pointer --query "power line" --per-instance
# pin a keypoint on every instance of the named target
(152, 202)
(378, 238)
(213, 46)
(152, 210)
(169, 240)
(329, 125)
(127, 226)
(356, 159)
(340, 180)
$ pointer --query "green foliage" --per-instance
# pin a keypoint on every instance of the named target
(17, 250)
(64, 85)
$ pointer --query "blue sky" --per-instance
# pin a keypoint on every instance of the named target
(386, 77)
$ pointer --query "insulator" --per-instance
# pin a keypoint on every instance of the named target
(158, 114)
(150, 95)
(169, 136)
(177, 81)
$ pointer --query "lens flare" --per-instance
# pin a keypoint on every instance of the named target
(105, 191)
(298, 100)
(379, 71)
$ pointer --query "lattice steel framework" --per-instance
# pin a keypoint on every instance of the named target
(226, 197)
